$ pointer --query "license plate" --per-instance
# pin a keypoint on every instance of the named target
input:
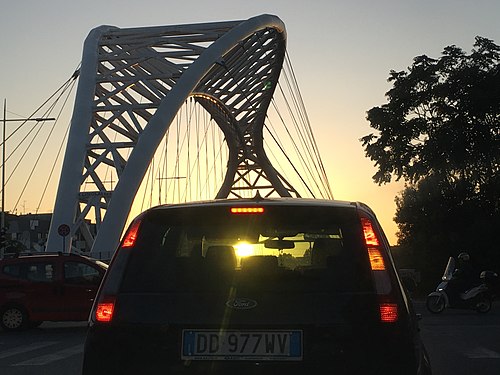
(233, 345)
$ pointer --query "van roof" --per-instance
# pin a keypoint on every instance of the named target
(265, 201)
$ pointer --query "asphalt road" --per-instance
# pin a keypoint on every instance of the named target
(459, 343)
(462, 342)
(53, 348)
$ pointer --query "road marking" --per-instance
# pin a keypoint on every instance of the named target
(26, 348)
(56, 356)
(480, 352)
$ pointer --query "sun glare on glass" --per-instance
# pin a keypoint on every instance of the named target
(244, 249)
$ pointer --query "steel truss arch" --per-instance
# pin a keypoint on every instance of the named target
(133, 82)
(245, 155)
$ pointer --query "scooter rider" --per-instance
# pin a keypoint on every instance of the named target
(462, 287)
(465, 276)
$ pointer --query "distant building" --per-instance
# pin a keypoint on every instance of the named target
(31, 230)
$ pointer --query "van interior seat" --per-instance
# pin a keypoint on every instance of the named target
(260, 263)
(221, 257)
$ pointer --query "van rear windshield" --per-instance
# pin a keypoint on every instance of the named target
(283, 248)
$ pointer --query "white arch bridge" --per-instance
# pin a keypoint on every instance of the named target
(214, 86)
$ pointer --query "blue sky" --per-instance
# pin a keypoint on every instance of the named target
(341, 51)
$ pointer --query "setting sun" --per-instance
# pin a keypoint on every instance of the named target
(244, 249)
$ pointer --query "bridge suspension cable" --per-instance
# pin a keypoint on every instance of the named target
(33, 146)
(212, 90)
(175, 174)
(190, 164)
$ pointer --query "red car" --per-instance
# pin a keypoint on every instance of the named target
(47, 286)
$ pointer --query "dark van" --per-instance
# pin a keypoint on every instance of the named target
(263, 286)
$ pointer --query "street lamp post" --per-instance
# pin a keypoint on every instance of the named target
(5, 120)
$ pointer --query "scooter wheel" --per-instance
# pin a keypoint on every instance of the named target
(435, 304)
(483, 305)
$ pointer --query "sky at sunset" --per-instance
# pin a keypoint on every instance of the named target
(341, 51)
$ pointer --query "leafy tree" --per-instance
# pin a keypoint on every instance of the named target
(437, 219)
(440, 132)
(13, 246)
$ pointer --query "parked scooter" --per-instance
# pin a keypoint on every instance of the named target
(479, 297)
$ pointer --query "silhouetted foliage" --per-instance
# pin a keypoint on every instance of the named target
(440, 132)
(438, 219)
(13, 246)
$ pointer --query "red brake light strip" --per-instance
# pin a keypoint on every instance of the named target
(247, 210)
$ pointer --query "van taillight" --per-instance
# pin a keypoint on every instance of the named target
(104, 311)
(388, 310)
(131, 235)
(376, 259)
(371, 238)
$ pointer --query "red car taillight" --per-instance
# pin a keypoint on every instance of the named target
(388, 309)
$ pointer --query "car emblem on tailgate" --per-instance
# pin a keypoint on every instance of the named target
(241, 303)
